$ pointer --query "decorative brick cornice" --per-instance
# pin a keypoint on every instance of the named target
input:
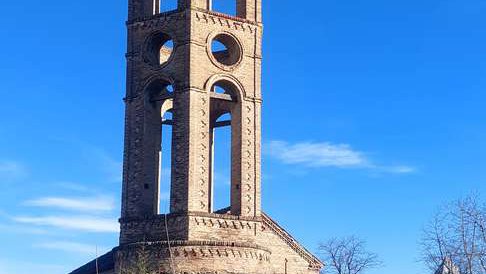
(227, 16)
(224, 20)
(225, 216)
(156, 20)
(191, 214)
(203, 249)
(224, 223)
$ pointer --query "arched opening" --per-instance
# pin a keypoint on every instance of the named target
(165, 157)
(223, 6)
(160, 48)
(158, 145)
(221, 162)
(224, 141)
(159, 91)
(225, 87)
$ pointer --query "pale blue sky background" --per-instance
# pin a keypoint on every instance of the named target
(373, 117)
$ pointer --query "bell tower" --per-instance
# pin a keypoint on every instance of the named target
(174, 66)
(198, 65)
(190, 69)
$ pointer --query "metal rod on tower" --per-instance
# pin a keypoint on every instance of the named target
(156, 6)
(96, 260)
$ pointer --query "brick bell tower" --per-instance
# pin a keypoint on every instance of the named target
(174, 67)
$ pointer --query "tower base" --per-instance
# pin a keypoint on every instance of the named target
(271, 250)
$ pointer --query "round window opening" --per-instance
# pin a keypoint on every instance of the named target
(160, 49)
(225, 49)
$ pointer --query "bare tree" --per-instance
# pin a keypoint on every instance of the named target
(348, 256)
(457, 234)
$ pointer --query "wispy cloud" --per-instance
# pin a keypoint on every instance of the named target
(73, 186)
(400, 169)
(8, 266)
(318, 154)
(78, 223)
(325, 154)
(90, 204)
(21, 229)
(11, 170)
(71, 247)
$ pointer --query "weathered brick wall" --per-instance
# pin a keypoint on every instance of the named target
(192, 70)
(220, 243)
(228, 228)
(196, 257)
(140, 176)
(154, 229)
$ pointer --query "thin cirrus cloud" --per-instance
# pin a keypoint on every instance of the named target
(96, 204)
(77, 223)
(11, 170)
(9, 266)
(74, 187)
(400, 169)
(72, 247)
(22, 230)
(325, 154)
(317, 154)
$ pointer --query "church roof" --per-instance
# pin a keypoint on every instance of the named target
(105, 263)
(313, 261)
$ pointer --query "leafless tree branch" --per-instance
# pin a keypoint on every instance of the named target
(348, 256)
(457, 234)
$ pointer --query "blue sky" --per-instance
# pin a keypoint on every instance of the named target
(373, 117)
